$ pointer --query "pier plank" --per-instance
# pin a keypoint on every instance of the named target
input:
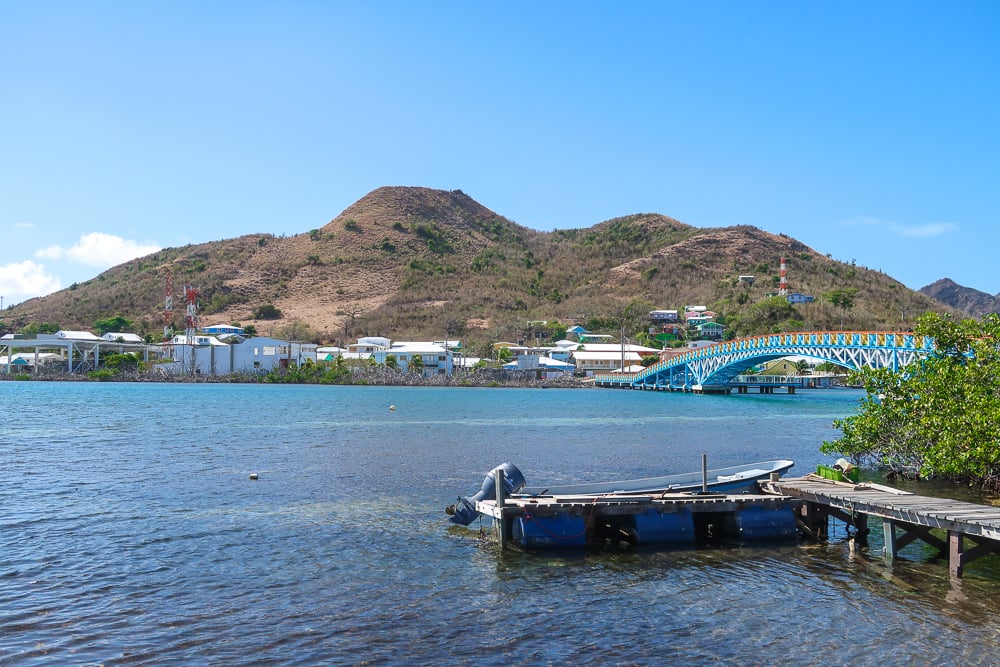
(915, 514)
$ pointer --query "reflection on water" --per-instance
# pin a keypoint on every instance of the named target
(139, 537)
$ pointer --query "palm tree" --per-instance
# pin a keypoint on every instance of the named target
(417, 365)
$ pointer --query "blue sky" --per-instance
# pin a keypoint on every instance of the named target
(868, 131)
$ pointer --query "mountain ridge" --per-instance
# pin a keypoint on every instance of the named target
(970, 302)
(419, 263)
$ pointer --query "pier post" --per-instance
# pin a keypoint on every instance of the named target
(956, 545)
(889, 530)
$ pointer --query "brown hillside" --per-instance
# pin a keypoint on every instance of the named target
(419, 263)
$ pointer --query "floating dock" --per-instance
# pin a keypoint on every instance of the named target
(535, 522)
(905, 517)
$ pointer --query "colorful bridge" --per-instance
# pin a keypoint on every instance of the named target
(713, 368)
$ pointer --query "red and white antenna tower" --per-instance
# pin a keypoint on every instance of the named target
(191, 318)
(168, 307)
(783, 287)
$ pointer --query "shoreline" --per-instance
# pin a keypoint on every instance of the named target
(377, 376)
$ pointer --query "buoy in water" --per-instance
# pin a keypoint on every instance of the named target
(253, 476)
(392, 408)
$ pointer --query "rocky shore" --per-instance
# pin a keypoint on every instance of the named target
(372, 376)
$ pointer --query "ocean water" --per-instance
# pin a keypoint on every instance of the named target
(131, 533)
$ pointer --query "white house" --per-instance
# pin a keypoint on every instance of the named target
(605, 357)
(541, 366)
(329, 352)
(563, 350)
(117, 337)
(77, 335)
(436, 359)
(254, 355)
(197, 340)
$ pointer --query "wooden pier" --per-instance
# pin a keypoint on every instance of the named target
(905, 517)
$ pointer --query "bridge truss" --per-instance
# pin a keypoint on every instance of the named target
(713, 367)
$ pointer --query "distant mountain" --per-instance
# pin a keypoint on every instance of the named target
(968, 301)
(416, 263)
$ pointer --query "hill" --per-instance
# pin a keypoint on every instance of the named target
(417, 263)
(970, 302)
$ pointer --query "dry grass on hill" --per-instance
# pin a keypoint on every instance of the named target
(419, 263)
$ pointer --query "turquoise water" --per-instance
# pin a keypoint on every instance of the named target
(131, 533)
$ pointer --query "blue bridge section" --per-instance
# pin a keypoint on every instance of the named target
(714, 367)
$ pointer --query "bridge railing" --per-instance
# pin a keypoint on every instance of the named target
(883, 340)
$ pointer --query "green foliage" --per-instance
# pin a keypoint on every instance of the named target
(129, 361)
(435, 238)
(267, 312)
(416, 364)
(771, 315)
(488, 259)
(116, 324)
(941, 415)
(427, 268)
(36, 328)
(352, 225)
(314, 234)
(222, 300)
(557, 331)
(830, 367)
(102, 374)
(324, 372)
(391, 361)
(842, 298)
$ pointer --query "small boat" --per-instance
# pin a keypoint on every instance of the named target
(734, 479)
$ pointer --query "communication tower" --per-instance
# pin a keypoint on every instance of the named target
(191, 318)
(168, 307)
(783, 286)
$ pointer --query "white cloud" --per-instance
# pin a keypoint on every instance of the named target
(25, 280)
(99, 249)
(931, 229)
(928, 230)
(24, 225)
(51, 252)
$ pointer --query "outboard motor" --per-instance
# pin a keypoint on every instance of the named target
(463, 512)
